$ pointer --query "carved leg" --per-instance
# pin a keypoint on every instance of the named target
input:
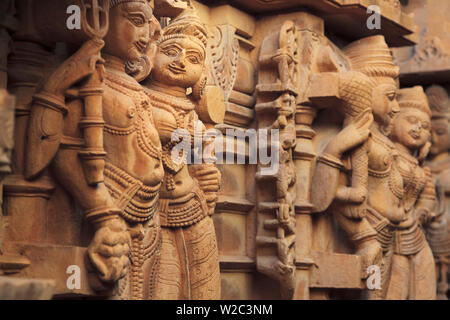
(363, 236)
(172, 276)
(442, 278)
(203, 260)
(424, 276)
(397, 286)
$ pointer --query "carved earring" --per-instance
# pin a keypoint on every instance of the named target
(199, 87)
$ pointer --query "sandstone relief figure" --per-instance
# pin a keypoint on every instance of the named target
(119, 195)
(372, 57)
(412, 274)
(439, 162)
(189, 267)
(349, 193)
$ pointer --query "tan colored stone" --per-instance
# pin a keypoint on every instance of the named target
(94, 185)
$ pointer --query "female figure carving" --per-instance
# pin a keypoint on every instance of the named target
(189, 264)
(370, 56)
(412, 274)
(439, 163)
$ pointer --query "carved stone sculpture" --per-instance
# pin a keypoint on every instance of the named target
(439, 162)
(189, 266)
(391, 206)
(412, 271)
(109, 117)
(371, 57)
(276, 109)
(122, 107)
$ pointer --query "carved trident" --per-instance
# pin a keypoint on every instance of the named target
(49, 106)
(95, 12)
(95, 25)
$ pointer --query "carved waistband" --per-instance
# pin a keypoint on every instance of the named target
(409, 241)
(439, 240)
(403, 242)
(184, 211)
(137, 202)
(385, 230)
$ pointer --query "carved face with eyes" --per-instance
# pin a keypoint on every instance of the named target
(440, 136)
(179, 62)
(412, 128)
(385, 105)
(129, 31)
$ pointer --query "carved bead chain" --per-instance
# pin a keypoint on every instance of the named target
(142, 105)
(395, 181)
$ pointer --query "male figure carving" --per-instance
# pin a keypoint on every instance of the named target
(122, 206)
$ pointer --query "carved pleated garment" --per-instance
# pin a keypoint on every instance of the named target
(189, 266)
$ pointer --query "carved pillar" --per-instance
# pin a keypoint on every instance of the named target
(7, 24)
(25, 201)
(276, 185)
(311, 34)
(231, 69)
(42, 24)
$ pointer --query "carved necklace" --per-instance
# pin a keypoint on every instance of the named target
(390, 148)
(178, 107)
(414, 180)
(183, 112)
(395, 181)
(143, 112)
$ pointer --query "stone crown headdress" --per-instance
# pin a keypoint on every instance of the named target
(355, 89)
(415, 98)
(439, 102)
(187, 24)
(113, 3)
(372, 57)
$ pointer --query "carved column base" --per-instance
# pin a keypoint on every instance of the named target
(24, 208)
(25, 289)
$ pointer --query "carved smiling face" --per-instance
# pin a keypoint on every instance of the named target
(440, 136)
(129, 32)
(179, 62)
(412, 128)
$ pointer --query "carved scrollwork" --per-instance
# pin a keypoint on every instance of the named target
(224, 48)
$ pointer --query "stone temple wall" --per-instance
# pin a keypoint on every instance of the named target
(349, 100)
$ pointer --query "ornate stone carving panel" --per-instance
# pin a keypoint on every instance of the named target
(108, 123)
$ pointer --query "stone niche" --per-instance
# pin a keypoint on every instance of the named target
(268, 64)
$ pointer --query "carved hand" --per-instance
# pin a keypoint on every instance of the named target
(209, 179)
(109, 250)
(351, 136)
(425, 216)
(79, 66)
(424, 151)
(371, 253)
